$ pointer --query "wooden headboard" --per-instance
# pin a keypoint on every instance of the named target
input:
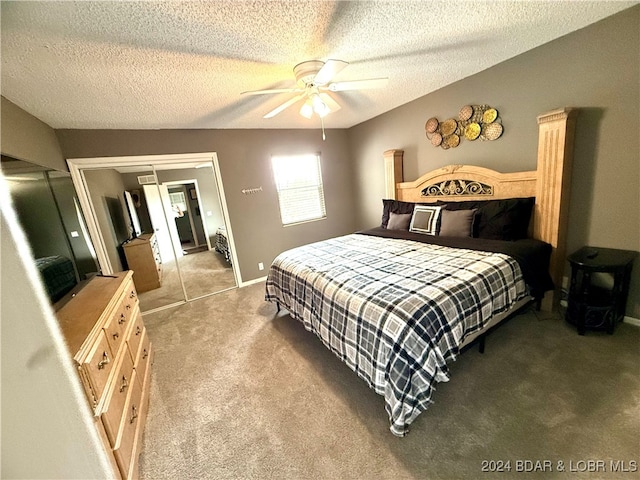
(549, 184)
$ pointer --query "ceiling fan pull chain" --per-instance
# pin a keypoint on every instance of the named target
(322, 123)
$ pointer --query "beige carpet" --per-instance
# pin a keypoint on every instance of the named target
(203, 272)
(238, 392)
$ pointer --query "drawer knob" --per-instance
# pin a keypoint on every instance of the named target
(122, 319)
(132, 294)
(138, 330)
(145, 354)
(134, 414)
(128, 307)
(104, 361)
(124, 384)
(115, 336)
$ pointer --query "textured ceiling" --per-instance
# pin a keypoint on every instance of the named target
(149, 65)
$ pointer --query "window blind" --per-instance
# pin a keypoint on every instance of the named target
(299, 184)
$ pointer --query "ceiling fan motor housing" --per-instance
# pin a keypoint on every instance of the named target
(305, 72)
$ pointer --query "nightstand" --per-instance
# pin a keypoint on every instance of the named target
(598, 305)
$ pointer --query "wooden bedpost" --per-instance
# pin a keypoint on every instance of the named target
(392, 172)
(555, 157)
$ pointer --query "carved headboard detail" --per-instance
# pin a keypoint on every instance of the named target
(549, 183)
(466, 182)
(457, 188)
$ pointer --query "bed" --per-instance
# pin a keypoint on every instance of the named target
(457, 252)
(222, 243)
(58, 275)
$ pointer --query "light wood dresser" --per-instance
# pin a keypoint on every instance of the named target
(103, 328)
(143, 257)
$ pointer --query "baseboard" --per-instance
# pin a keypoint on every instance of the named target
(252, 282)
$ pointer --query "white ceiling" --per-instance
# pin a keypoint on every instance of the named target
(168, 64)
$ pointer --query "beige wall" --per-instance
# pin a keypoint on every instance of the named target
(595, 69)
(26, 138)
(244, 157)
(47, 428)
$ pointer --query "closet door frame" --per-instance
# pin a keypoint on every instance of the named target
(77, 166)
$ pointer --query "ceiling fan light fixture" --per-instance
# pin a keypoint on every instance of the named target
(314, 80)
(307, 109)
(319, 106)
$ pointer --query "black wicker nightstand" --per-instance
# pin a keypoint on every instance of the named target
(592, 306)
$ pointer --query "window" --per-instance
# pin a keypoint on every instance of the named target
(299, 183)
(178, 199)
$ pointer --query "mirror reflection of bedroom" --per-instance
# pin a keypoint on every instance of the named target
(167, 226)
(47, 207)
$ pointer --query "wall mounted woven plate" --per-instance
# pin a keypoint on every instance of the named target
(448, 127)
(431, 125)
(452, 141)
(472, 131)
(489, 115)
(492, 131)
(465, 113)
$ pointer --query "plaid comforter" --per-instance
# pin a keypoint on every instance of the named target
(57, 274)
(395, 311)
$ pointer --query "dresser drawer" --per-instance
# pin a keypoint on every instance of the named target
(136, 336)
(116, 327)
(125, 313)
(128, 431)
(143, 358)
(114, 407)
(128, 304)
(98, 365)
(99, 325)
(132, 295)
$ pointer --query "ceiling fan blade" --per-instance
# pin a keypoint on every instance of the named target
(328, 71)
(358, 84)
(286, 104)
(275, 90)
(330, 102)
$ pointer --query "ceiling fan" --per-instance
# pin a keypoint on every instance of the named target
(313, 78)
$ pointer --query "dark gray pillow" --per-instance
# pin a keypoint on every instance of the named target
(394, 206)
(456, 223)
(498, 219)
(399, 221)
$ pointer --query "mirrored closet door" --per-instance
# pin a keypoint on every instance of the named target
(48, 210)
(204, 257)
(168, 225)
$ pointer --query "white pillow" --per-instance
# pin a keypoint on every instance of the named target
(425, 219)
